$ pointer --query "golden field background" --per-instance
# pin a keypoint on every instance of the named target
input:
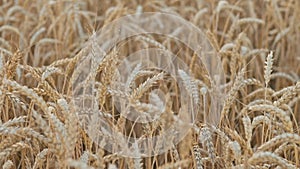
(42, 42)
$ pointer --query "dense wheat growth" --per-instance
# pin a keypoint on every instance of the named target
(55, 78)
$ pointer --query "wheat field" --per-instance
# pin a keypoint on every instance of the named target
(251, 122)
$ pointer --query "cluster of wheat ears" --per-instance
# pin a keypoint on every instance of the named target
(43, 41)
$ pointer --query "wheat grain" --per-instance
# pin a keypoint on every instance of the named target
(285, 137)
(139, 91)
(12, 149)
(282, 115)
(206, 139)
(40, 158)
(288, 95)
(233, 148)
(71, 125)
(268, 68)
(8, 165)
(78, 164)
(268, 157)
(248, 130)
(232, 94)
(29, 93)
(197, 157)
